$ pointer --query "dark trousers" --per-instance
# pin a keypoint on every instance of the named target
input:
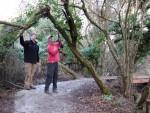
(52, 75)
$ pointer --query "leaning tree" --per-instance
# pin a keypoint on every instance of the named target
(69, 32)
(129, 17)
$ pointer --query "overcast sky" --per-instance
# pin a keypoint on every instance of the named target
(9, 9)
(12, 8)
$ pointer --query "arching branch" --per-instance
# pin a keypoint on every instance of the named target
(109, 42)
(11, 24)
(59, 28)
(41, 13)
(79, 56)
(71, 23)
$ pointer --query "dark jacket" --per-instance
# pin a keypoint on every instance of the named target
(31, 51)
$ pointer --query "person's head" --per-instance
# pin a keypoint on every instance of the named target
(33, 37)
(50, 38)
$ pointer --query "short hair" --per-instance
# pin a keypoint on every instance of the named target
(33, 34)
(50, 37)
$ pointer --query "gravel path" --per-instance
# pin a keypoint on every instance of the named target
(36, 101)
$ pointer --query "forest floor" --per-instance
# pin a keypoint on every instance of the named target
(74, 96)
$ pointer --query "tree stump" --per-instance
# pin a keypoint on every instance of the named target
(147, 106)
(144, 97)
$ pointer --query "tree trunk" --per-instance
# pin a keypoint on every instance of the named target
(91, 69)
(81, 58)
(126, 85)
(147, 106)
(74, 74)
(144, 96)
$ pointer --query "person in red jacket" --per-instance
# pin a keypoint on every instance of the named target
(52, 65)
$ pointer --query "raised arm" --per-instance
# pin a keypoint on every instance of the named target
(38, 58)
(61, 44)
(22, 42)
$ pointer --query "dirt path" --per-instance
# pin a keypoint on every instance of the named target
(36, 101)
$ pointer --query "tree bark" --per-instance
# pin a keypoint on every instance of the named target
(84, 61)
(45, 12)
(74, 74)
(13, 25)
(91, 69)
(144, 96)
(42, 12)
(147, 106)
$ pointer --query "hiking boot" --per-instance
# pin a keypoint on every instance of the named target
(47, 92)
(55, 91)
(32, 87)
(27, 87)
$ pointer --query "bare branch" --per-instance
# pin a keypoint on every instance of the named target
(18, 86)
(71, 23)
(89, 18)
(113, 8)
(93, 12)
(127, 12)
(59, 28)
(122, 6)
(109, 41)
(102, 17)
(11, 24)
(103, 7)
(120, 20)
(42, 12)
(79, 7)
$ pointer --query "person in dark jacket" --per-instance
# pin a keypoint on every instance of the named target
(31, 58)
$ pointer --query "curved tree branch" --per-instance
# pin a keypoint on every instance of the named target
(71, 23)
(11, 24)
(45, 12)
(42, 12)
(89, 18)
(109, 42)
(79, 56)
(81, 8)
(60, 29)
(102, 17)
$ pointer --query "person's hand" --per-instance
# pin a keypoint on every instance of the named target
(62, 42)
(62, 52)
(21, 35)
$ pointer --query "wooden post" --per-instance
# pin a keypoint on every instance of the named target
(147, 106)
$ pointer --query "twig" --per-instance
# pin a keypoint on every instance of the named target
(15, 85)
(113, 8)
(102, 16)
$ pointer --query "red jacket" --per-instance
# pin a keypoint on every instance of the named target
(53, 52)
